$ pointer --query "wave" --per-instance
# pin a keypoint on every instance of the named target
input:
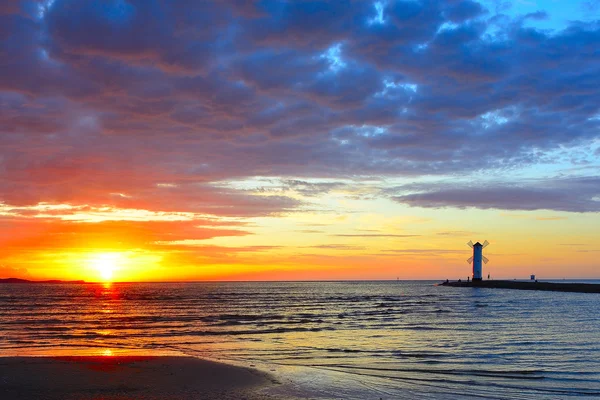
(416, 336)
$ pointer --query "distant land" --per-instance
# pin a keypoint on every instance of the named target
(17, 280)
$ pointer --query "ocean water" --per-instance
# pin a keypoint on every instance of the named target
(360, 340)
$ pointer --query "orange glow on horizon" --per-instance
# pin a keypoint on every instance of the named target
(386, 243)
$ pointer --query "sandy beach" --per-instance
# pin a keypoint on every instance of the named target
(127, 377)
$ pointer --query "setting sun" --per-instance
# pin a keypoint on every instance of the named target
(106, 264)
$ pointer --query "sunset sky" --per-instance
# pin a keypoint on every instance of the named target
(272, 140)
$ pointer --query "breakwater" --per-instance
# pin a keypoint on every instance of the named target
(519, 285)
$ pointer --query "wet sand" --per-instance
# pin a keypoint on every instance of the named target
(127, 377)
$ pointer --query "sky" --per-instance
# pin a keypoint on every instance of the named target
(287, 140)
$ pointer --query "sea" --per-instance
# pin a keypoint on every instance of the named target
(329, 340)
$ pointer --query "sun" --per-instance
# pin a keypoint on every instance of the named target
(105, 264)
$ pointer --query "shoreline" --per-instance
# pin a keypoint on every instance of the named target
(127, 377)
(520, 285)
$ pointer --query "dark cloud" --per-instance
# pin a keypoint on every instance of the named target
(312, 188)
(105, 97)
(572, 195)
(464, 10)
(154, 33)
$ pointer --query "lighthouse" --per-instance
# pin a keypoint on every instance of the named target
(477, 258)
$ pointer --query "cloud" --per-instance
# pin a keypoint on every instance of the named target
(591, 6)
(334, 246)
(27, 234)
(375, 235)
(424, 251)
(571, 195)
(11, 272)
(455, 233)
(256, 79)
(157, 105)
(464, 10)
(309, 231)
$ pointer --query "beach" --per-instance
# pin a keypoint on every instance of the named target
(127, 377)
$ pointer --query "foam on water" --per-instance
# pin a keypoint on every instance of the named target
(335, 339)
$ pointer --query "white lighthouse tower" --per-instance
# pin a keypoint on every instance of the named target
(477, 258)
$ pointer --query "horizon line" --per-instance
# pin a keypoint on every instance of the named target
(80, 281)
